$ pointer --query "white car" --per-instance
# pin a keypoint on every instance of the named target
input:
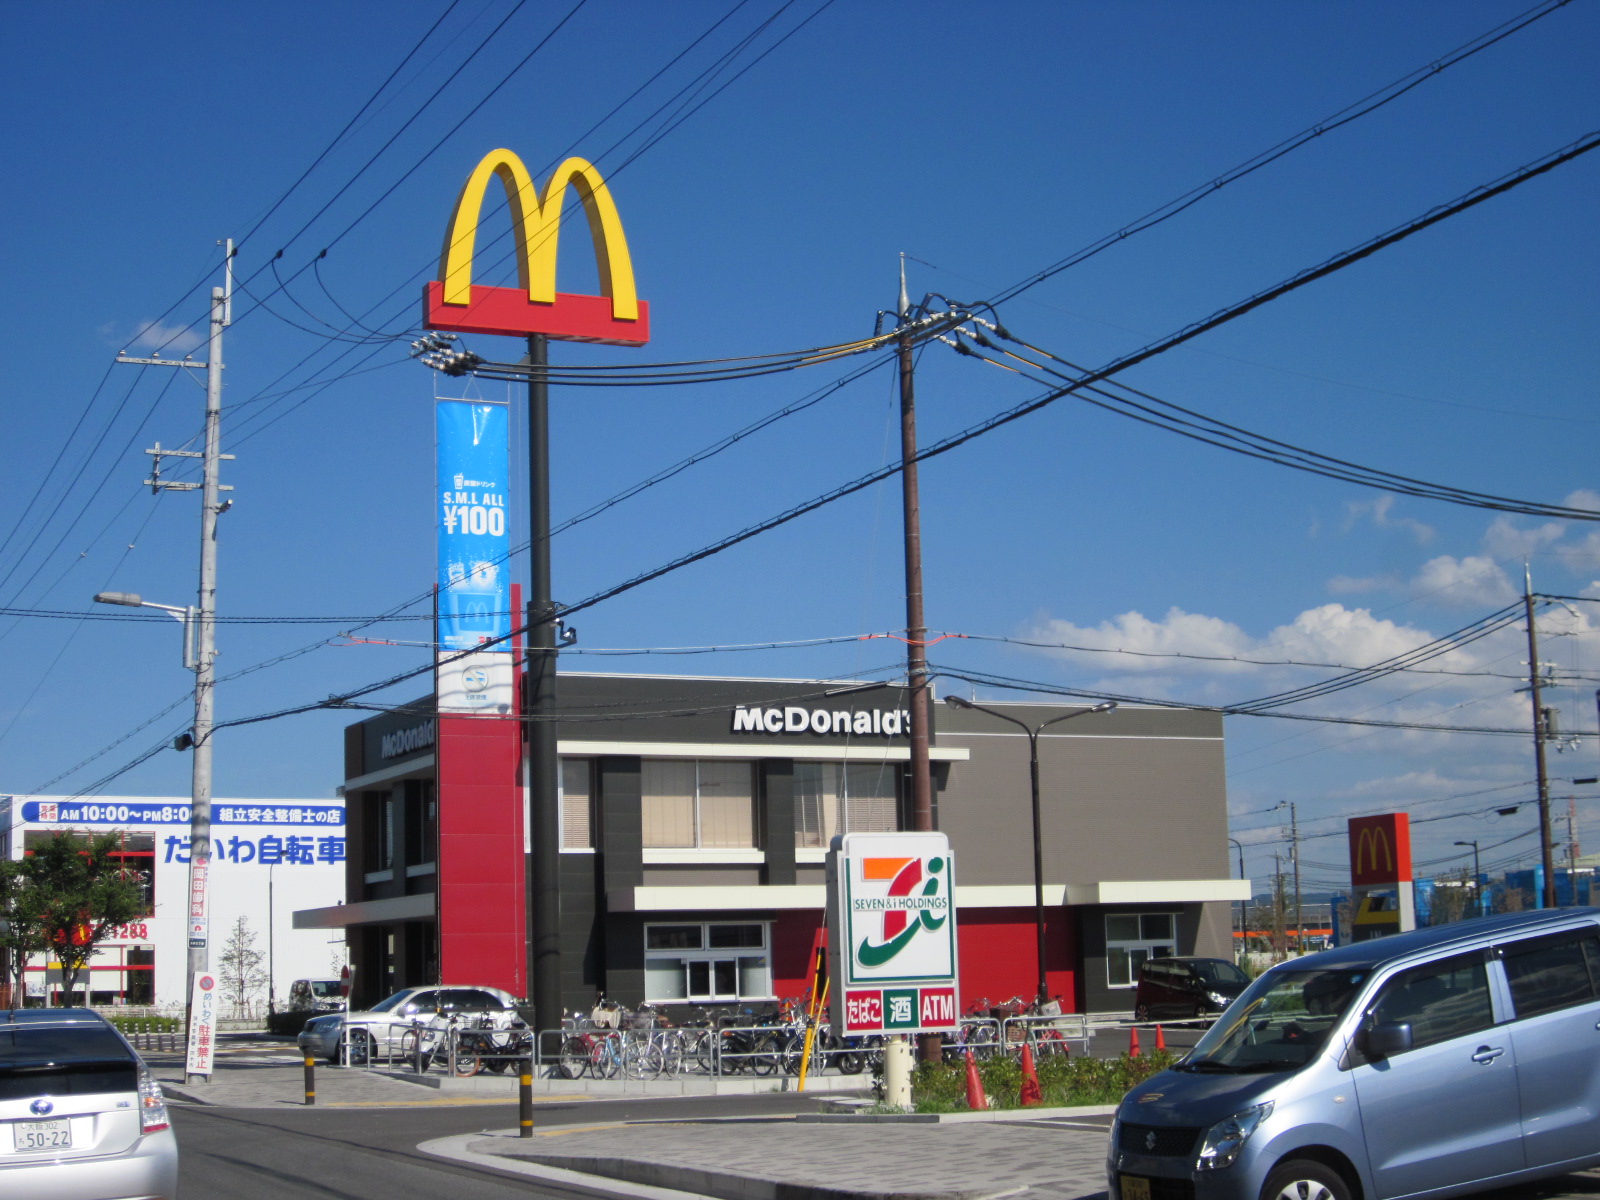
(80, 1116)
(379, 1030)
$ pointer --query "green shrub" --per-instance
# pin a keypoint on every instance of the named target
(144, 1024)
(1063, 1081)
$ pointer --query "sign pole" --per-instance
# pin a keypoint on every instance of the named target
(544, 818)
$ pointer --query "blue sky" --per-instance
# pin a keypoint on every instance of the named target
(984, 143)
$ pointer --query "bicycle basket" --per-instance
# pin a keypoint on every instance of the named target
(604, 1018)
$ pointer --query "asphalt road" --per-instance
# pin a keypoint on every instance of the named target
(371, 1154)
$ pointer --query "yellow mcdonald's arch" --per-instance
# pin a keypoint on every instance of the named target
(1369, 841)
(454, 302)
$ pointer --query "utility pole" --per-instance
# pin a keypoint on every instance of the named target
(916, 625)
(932, 1045)
(1534, 686)
(204, 621)
(544, 817)
(1294, 849)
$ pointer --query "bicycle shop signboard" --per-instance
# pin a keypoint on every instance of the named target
(892, 934)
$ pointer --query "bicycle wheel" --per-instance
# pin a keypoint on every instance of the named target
(467, 1063)
(574, 1058)
(607, 1060)
(701, 1051)
(671, 1043)
(766, 1054)
(982, 1042)
(410, 1041)
(642, 1060)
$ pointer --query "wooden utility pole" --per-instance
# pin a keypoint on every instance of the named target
(916, 625)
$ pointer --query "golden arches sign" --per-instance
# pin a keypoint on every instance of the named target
(454, 302)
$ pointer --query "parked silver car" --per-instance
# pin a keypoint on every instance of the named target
(380, 1030)
(1441, 1061)
(81, 1118)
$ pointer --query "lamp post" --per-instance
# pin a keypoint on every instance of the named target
(1477, 878)
(1033, 732)
(199, 656)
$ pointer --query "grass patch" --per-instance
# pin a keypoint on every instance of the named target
(1063, 1081)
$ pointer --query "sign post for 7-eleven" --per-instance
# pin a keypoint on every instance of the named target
(892, 934)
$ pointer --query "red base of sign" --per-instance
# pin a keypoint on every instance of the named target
(509, 311)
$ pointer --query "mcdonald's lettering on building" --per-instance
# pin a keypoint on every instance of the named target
(454, 302)
(1380, 849)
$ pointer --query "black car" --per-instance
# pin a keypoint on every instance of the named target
(1186, 988)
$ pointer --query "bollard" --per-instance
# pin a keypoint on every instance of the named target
(525, 1102)
(897, 1072)
(311, 1080)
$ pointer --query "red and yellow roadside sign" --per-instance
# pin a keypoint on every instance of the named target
(453, 302)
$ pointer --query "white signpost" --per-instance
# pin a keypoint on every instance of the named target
(892, 934)
(202, 1025)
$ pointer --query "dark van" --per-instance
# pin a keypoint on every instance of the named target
(1185, 989)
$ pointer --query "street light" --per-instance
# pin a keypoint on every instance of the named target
(1477, 878)
(1033, 732)
(199, 656)
(184, 616)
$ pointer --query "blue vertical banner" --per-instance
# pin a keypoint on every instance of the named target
(474, 542)
(474, 461)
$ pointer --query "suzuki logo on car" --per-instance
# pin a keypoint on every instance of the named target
(1150, 1140)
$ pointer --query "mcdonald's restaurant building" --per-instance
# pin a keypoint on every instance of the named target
(695, 816)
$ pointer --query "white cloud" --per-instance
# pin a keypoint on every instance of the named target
(1504, 539)
(1378, 511)
(1472, 582)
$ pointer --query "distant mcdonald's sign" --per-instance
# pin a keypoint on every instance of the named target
(1380, 849)
(454, 302)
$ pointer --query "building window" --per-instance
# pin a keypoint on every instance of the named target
(1133, 937)
(700, 805)
(421, 822)
(577, 804)
(707, 962)
(840, 797)
(378, 817)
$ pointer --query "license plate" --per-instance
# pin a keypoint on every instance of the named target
(1135, 1188)
(42, 1135)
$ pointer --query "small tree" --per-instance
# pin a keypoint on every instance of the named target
(21, 930)
(239, 966)
(77, 892)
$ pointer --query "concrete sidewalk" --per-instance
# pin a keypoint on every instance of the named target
(1056, 1154)
(797, 1159)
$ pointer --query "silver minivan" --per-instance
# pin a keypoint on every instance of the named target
(1436, 1062)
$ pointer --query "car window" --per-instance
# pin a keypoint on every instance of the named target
(472, 1000)
(1441, 1000)
(1218, 971)
(80, 1061)
(1550, 973)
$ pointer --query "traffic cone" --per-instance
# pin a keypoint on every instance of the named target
(1133, 1042)
(1030, 1079)
(975, 1098)
(1161, 1042)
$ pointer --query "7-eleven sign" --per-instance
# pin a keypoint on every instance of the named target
(892, 932)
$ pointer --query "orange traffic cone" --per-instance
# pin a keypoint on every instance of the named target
(975, 1098)
(1030, 1079)
(1133, 1042)
(1161, 1042)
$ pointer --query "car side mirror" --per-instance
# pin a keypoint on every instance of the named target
(1385, 1041)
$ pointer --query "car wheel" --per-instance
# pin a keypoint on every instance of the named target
(1302, 1179)
(361, 1048)
(1141, 1012)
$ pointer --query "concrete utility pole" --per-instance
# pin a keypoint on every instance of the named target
(1294, 844)
(202, 623)
(1534, 690)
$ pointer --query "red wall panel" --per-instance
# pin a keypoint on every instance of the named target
(482, 929)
